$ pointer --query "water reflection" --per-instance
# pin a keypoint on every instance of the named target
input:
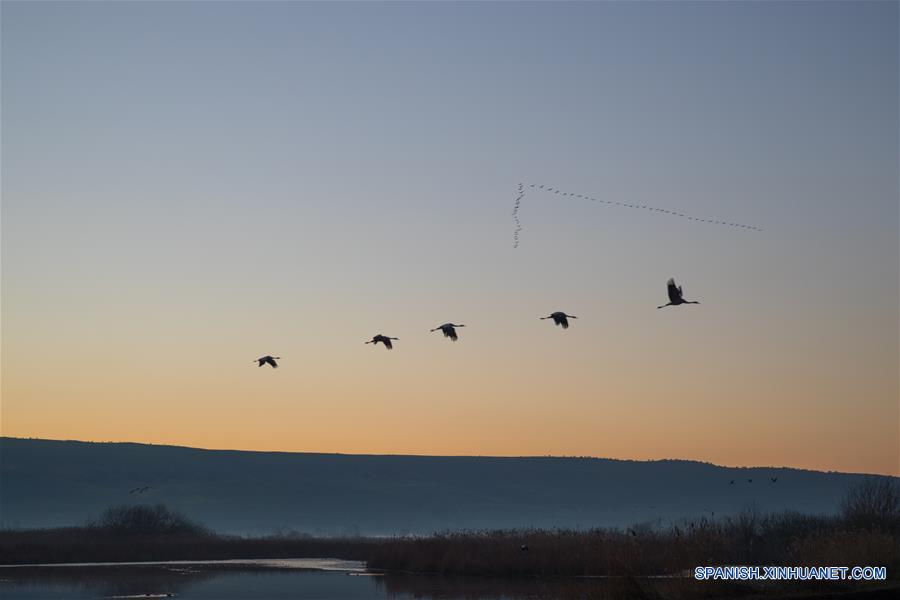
(260, 580)
(201, 582)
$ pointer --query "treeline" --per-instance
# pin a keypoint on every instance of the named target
(865, 532)
(136, 533)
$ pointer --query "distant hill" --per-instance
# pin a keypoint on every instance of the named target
(47, 483)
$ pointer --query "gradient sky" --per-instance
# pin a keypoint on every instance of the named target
(187, 186)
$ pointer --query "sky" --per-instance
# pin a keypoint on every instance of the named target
(188, 186)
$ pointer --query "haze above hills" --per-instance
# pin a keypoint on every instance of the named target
(46, 483)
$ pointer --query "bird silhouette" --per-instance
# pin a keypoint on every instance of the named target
(774, 479)
(524, 547)
(384, 340)
(675, 295)
(561, 319)
(749, 481)
(268, 360)
(731, 482)
(449, 330)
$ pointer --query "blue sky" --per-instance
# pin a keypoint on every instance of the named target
(218, 179)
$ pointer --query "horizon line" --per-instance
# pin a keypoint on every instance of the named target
(509, 456)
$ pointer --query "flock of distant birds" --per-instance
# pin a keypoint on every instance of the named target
(772, 479)
(561, 319)
(672, 213)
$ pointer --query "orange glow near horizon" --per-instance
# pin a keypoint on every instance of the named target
(500, 390)
(187, 186)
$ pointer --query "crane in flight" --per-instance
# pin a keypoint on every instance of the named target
(384, 340)
(676, 295)
(449, 330)
(560, 318)
(268, 360)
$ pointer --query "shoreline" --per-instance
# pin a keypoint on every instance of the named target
(321, 564)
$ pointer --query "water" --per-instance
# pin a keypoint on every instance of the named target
(314, 579)
(298, 579)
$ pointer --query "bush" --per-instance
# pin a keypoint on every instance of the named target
(873, 503)
(146, 519)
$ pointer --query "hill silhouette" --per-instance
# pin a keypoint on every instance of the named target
(48, 483)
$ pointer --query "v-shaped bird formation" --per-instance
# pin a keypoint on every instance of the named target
(664, 211)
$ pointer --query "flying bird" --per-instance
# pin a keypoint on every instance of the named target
(676, 296)
(449, 330)
(774, 479)
(384, 340)
(268, 360)
(560, 318)
(749, 481)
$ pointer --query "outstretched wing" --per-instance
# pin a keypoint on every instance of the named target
(674, 291)
(450, 332)
(272, 362)
(387, 343)
(562, 320)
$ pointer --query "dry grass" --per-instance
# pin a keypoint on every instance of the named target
(866, 533)
(747, 539)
